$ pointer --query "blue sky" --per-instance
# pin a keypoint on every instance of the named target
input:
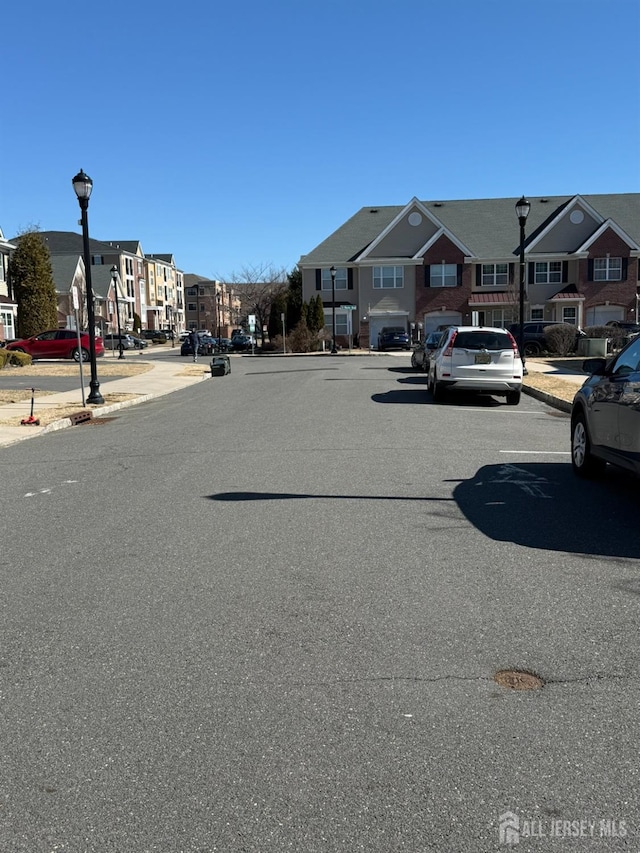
(238, 135)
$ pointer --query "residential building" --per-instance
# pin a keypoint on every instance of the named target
(210, 304)
(8, 305)
(431, 263)
(159, 306)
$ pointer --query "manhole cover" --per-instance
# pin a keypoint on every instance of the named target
(516, 679)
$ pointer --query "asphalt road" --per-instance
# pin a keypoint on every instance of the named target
(264, 614)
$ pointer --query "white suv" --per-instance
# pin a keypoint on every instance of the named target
(477, 358)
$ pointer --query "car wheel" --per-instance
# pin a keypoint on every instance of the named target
(532, 348)
(583, 462)
(17, 349)
(438, 390)
(77, 354)
(513, 398)
(414, 363)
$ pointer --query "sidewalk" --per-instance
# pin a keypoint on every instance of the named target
(163, 378)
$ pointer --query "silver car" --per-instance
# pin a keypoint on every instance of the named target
(484, 359)
(605, 415)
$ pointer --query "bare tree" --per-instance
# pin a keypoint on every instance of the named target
(257, 287)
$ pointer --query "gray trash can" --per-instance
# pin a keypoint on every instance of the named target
(220, 365)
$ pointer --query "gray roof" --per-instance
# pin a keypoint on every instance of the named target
(487, 227)
(68, 243)
(64, 267)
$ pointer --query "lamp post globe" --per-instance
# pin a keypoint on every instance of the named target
(83, 185)
(522, 211)
(334, 349)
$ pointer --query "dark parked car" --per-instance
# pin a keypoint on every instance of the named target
(57, 343)
(422, 352)
(605, 415)
(535, 340)
(393, 337)
(156, 335)
(242, 343)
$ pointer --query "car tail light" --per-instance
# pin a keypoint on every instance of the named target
(449, 350)
(514, 344)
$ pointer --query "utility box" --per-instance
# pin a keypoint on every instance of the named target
(593, 347)
(220, 365)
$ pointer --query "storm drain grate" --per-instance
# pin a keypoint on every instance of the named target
(517, 679)
(98, 421)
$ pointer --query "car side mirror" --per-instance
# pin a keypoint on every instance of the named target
(594, 366)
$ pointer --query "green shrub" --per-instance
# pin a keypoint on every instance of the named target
(560, 338)
(617, 336)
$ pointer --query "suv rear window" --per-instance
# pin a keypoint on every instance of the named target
(482, 340)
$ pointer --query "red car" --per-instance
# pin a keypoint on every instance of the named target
(57, 343)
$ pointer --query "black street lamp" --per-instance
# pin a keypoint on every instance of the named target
(114, 278)
(82, 184)
(333, 303)
(522, 211)
(218, 300)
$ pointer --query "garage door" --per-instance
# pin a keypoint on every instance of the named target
(441, 318)
(600, 315)
(378, 323)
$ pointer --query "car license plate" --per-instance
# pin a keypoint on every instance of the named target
(483, 358)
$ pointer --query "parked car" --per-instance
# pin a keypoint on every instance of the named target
(159, 335)
(242, 343)
(57, 343)
(605, 414)
(139, 343)
(111, 342)
(422, 352)
(629, 328)
(476, 358)
(535, 340)
(393, 337)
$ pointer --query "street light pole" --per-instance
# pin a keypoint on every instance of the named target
(333, 304)
(522, 211)
(218, 300)
(114, 278)
(82, 184)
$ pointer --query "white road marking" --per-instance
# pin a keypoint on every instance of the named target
(528, 482)
(540, 452)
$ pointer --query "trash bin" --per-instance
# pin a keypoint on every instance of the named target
(597, 347)
(220, 365)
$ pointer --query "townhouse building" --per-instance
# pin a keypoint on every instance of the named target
(8, 305)
(149, 286)
(431, 263)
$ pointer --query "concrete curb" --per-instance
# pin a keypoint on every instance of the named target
(549, 399)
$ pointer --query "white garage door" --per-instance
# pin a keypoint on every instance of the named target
(441, 318)
(600, 315)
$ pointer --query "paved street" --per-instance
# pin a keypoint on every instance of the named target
(263, 613)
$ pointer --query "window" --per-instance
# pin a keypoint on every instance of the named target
(388, 277)
(569, 315)
(342, 321)
(537, 313)
(191, 291)
(191, 306)
(6, 318)
(548, 272)
(494, 275)
(443, 275)
(607, 269)
(97, 260)
(341, 279)
(489, 317)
